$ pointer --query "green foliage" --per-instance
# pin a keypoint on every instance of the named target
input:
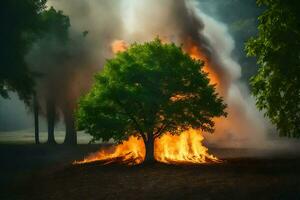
(150, 89)
(23, 22)
(19, 25)
(55, 24)
(277, 49)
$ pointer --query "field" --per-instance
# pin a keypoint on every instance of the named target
(46, 172)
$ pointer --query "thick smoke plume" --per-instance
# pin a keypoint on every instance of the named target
(184, 23)
(69, 69)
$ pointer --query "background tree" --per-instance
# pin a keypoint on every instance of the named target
(277, 49)
(19, 25)
(147, 91)
(55, 25)
(48, 57)
(56, 30)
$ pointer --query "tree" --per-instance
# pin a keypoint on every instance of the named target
(55, 25)
(147, 91)
(276, 86)
(19, 26)
(36, 119)
(56, 28)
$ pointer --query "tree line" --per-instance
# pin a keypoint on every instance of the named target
(23, 24)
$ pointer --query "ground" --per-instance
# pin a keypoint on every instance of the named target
(46, 172)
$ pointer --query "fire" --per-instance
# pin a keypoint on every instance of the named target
(119, 46)
(195, 53)
(131, 152)
(185, 148)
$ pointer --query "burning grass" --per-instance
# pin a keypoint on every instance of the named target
(185, 148)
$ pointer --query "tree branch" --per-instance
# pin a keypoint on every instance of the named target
(132, 118)
(160, 130)
(143, 136)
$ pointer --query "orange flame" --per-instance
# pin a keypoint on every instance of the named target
(131, 152)
(182, 149)
(196, 53)
(185, 148)
(119, 46)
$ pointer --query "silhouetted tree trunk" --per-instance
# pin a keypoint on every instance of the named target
(51, 121)
(71, 135)
(149, 143)
(36, 119)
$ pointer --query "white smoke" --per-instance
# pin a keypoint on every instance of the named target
(245, 126)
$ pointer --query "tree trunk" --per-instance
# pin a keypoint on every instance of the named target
(71, 135)
(51, 121)
(149, 144)
(36, 119)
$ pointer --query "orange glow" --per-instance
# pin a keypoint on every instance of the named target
(196, 53)
(119, 46)
(185, 148)
(131, 152)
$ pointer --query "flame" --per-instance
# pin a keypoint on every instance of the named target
(118, 46)
(185, 148)
(196, 53)
(131, 152)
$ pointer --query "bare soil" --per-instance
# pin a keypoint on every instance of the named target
(46, 172)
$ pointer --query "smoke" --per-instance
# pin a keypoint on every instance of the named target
(68, 69)
(245, 126)
(184, 23)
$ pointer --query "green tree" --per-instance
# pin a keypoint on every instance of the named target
(277, 49)
(54, 42)
(19, 25)
(55, 25)
(146, 91)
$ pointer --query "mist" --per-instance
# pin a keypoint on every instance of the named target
(14, 115)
